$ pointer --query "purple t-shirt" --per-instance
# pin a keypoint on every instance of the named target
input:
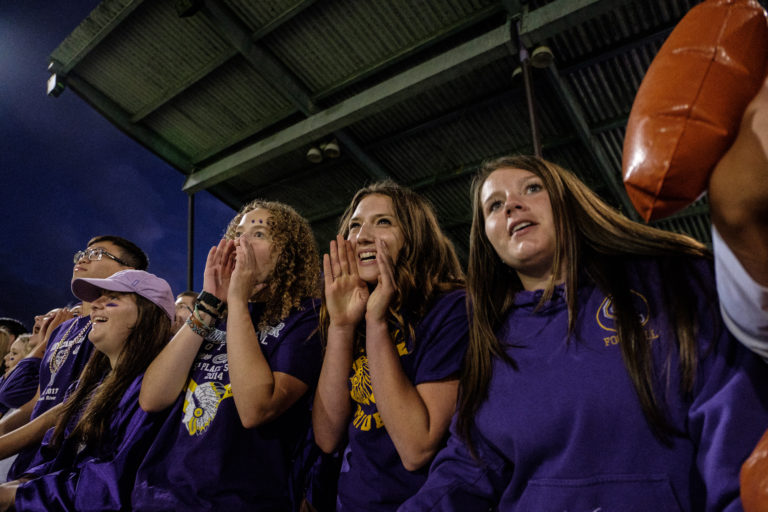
(203, 458)
(66, 355)
(20, 385)
(96, 479)
(372, 475)
(565, 431)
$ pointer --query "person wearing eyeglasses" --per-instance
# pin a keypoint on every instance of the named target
(185, 303)
(66, 352)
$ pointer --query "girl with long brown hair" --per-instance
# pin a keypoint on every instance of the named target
(89, 459)
(395, 324)
(599, 375)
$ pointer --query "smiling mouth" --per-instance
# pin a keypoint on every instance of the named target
(521, 226)
(367, 256)
(98, 319)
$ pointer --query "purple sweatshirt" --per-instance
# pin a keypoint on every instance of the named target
(94, 479)
(373, 477)
(566, 431)
(20, 385)
(66, 355)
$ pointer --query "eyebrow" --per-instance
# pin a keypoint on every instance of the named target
(255, 227)
(375, 216)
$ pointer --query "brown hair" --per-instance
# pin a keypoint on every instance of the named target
(297, 270)
(101, 387)
(591, 239)
(426, 265)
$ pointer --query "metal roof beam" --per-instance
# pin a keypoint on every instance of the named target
(183, 85)
(596, 150)
(120, 118)
(113, 12)
(490, 46)
(236, 32)
(559, 16)
(409, 52)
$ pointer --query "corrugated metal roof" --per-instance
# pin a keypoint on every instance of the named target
(235, 92)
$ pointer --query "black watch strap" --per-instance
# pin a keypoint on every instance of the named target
(210, 299)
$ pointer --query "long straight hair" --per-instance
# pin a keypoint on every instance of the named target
(426, 264)
(593, 239)
(101, 387)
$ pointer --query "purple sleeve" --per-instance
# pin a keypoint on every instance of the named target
(458, 482)
(726, 419)
(299, 353)
(21, 384)
(442, 338)
(102, 482)
(727, 415)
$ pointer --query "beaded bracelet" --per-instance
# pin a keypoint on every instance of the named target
(198, 327)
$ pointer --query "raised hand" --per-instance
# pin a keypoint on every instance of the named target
(246, 277)
(49, 323)
(218, 269)
(380, 299)
(345, 293)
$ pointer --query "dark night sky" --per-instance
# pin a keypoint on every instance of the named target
(67, 174)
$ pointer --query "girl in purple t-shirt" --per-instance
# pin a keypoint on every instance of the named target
(240, 373)
(88, 460)
(19, 384)
(396, 334)
(599, 374)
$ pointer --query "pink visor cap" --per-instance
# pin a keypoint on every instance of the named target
(149, 286)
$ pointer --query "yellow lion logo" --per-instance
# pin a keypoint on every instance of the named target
(362, 391)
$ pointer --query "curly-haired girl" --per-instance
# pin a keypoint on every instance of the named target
(240, 373)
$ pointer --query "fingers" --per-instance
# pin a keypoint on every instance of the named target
(384, 261)
(327, 271)
(351, 258)
(54, 321)
(343, 254)
(333, 255)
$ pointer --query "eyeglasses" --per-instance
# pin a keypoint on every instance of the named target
(95, 254)
(181, 306)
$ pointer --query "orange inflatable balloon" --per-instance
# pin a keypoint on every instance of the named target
(754, 478)
(689, 105)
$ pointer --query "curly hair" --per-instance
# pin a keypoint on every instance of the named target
(426, 265)
(296, 275)
(590, 238)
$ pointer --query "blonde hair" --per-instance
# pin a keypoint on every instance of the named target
(24, 341)
(6, 338)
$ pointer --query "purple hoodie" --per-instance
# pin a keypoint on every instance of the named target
(566, 432)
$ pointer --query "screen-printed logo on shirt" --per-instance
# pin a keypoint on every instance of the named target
(270, 331)
(366, 414)
(201, 403)
(606, 317)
